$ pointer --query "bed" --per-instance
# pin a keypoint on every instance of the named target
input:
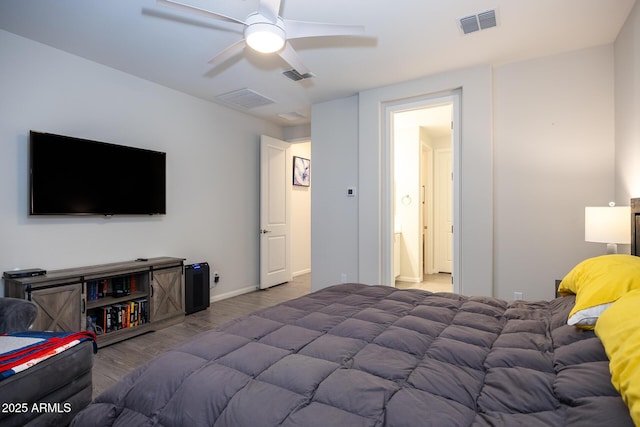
(358, 355)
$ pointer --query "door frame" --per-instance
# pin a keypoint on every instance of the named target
(388, 109)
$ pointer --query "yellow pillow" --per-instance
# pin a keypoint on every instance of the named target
(619, 331)
(597, 283)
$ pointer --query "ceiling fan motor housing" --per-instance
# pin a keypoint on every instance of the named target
(263, 35)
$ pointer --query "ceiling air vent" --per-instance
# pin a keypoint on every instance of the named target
(294, 115)
(481, 21)
(245, 98)
(294, 75)
(487, 19)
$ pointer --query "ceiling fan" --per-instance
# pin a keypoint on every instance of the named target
(267, 32)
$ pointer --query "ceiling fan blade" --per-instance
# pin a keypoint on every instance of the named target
(270, 9)
(198, 11)
(301, 29)
(292, 58)
(228, 52)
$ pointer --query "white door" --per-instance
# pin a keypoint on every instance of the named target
(275, 221)
(444, 210)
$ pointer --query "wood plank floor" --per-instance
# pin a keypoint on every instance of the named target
(113, 362)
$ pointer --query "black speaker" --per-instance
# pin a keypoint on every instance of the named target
(196, 287)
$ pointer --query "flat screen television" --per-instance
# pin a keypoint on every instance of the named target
(73, 176)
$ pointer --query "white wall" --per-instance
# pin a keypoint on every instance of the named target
(299, 133)
(334, 216)
(212, 167)
(358, 139)
(627, 89)
(475, 214)
(553, 155)
(301, 217)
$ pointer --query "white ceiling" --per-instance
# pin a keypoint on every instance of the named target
(436, 120)
(404, 40)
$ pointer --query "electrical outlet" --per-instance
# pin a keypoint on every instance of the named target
(343, 278)
(518, 296)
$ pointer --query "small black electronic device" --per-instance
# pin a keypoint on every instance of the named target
(196, 286)
(19, 274)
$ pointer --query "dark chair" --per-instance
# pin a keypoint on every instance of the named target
(51, 392)
(16, 315)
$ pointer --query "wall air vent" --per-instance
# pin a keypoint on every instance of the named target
(294, 75)
(245, 98)
(480, 21)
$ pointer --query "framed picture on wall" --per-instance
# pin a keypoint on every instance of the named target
(301, 171)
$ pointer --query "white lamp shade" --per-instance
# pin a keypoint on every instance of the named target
(607, 224)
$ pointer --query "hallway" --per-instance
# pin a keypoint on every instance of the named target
(439, 282)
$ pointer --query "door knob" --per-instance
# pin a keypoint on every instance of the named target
(263, 231)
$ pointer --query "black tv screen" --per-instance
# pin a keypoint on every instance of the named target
(72, 176)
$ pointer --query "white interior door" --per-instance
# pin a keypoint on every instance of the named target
(444, 215)
(275, 217)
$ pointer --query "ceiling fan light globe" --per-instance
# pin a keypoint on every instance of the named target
(265, 37)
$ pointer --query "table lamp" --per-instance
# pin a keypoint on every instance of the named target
(610, 225)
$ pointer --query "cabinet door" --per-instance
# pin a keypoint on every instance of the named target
(167, 293)
(59, 308)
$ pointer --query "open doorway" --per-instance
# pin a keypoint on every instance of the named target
(423, 210)
(301, 214)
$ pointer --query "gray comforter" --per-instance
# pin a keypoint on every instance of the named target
(356, 355)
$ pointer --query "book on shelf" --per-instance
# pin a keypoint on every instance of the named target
(141, 311)
(120, 322)
(103, 318)
(134, 313)
(123, 315)
(102, 288)
(121, 286)
(93, 290)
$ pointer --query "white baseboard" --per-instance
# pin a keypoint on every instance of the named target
(409, 279)
(301, 272)
(232, 294)
(220, 297)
